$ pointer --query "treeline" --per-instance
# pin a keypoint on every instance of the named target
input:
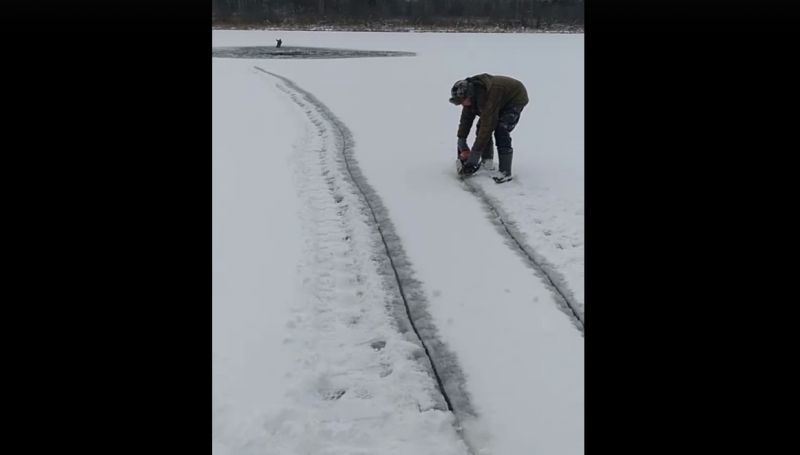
(505, 13)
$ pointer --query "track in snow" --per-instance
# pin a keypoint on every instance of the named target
(515, 239)
(341, 173)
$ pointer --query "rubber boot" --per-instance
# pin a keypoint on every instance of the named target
(505, 155)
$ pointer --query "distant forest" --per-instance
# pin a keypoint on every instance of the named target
(458, 14)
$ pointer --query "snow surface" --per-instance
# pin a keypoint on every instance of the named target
(309, 355)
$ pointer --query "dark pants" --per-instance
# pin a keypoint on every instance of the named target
(507, 120)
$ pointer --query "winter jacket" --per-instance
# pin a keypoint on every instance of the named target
(490, 94)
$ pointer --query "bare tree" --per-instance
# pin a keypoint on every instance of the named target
(530, 13)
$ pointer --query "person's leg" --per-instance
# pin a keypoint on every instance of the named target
(509, 117)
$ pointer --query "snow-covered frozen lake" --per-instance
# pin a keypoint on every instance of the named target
(337, 215)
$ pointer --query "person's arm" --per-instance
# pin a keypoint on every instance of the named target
(465, 124)
(489, 118)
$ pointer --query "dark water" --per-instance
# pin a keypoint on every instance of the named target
(300, 52)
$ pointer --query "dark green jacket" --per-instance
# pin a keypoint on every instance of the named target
(491, 94)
